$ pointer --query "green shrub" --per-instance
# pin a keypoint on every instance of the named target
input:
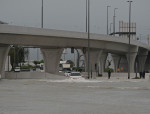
(107, 69)
(27, 67)
(79, 69)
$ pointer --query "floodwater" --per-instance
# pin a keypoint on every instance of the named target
(67, 96)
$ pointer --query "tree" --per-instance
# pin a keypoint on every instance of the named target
(17, 55)
(36, 62)
(71, 63)
(41, 61)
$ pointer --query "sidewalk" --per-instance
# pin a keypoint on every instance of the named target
(123, 77)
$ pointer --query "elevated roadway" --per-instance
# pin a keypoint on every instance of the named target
(52, 42)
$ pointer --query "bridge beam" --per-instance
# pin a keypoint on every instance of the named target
(4, 49)
(51, 59)
(102, 62)
(94, 60)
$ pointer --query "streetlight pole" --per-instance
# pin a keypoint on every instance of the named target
(107, 19)
(86, 15)
(42, 15)
(114, 21)
(41, 27)
(148, 39)
(110, 27)
(88, 30)
(14, 58)
(129, 38)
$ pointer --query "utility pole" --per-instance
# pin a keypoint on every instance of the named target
(148, 39)
(129, 38)
(42, 15)
(88, 38)
(107, 19)
(41, 27)
(110, 27)
(86, 15)
(114, 20)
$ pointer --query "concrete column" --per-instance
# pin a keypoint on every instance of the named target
(132, 60)
(141, 62)
(94, 59)
(4, 49)
(142, 56)
(147, 63)
(51, 59)
(103, 58)
(116, 59)
(124, 63)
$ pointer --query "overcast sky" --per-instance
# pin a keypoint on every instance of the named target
(70, 14)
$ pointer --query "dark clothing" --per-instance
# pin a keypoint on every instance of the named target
(109, 74)
(140, 74)
(143, 74)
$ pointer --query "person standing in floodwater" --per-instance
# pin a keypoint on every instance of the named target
(109, 74)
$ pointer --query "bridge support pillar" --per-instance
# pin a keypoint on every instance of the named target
(51, 59)
(94, 60)
(142, 60)
(102, 62)
(116, 59)
(4, 49)
(132, 60)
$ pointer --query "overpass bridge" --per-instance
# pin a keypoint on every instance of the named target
(52, 42)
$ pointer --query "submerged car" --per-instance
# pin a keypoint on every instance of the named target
(76, 75)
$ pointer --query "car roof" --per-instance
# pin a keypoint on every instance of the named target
(75, 72)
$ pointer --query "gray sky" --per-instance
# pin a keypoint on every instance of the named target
(70, 14)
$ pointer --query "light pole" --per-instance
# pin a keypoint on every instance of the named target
(12, 46)
(88, 30)
(37, 54)
(110, 27)
(42, 15)
(86, 15)
(129, 39)
(114, 21)
(148, 39)
(41, 27)
(107, 19)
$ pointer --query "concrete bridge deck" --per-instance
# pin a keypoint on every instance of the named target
(52, 43)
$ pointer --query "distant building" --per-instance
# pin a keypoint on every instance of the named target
(64, 65)
(124, 30)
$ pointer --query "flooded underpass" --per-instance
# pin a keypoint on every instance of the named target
(43, 96)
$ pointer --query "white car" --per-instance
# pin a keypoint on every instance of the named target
(76, 75)
(17, 69)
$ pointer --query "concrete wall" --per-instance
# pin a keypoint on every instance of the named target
(43, 75)
(32, 75)
(125, 75)
(3, 55)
